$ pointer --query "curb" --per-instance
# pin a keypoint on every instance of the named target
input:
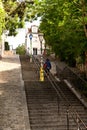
(26, 115)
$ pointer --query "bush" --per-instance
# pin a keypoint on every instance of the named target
(21, 50)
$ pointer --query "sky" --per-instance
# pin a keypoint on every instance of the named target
(35, 22)
(20, 37)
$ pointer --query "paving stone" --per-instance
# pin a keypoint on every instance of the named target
(13, 110)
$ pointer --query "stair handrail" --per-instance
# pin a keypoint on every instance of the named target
(69, 106)
(77, 119)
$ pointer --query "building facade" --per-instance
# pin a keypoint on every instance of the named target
(32, 42)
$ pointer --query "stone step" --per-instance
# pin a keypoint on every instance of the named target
(52, 127)
(47, 110)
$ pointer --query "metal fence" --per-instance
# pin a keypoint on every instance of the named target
(77, 81)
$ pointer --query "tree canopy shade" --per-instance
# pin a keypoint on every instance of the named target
(2, 17)
(64, 24)
(16, 13)
(14, 17)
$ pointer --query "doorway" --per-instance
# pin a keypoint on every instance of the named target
(34, 51)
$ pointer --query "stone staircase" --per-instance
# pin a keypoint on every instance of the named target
(49, 112)
(75, 105)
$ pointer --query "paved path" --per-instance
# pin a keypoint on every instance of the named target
(13, 108)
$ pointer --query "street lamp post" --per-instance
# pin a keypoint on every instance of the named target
(30, 36)
(41, 39)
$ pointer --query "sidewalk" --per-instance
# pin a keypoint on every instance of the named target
(13, 107)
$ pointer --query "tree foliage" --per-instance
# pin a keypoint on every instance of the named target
(63, 22)
(14, 17)
(15, 14)
(21, 50)
(64, 25)
(2, 17)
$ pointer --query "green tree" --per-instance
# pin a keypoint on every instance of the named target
(2, 17)
(14, 15)
(62, 24)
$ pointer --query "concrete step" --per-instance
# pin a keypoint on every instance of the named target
(47, 110)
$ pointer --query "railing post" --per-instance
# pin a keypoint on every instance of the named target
(67, 119)
(58, 103)
(78, 124)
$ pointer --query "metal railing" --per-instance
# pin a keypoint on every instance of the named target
(80, 125)
(70, 111)
(77, 82)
